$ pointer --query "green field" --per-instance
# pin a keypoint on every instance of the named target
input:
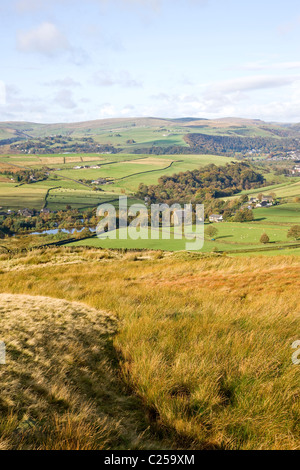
(231, 236)
(181, 163)
(126, 172)
(81, 199)
(286, 190)
(283, 214)
(14, 198)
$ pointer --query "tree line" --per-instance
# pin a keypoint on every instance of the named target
(202, 184)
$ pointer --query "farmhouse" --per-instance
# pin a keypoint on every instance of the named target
(216, 218)
(296, 170)
(265, 201)
(26, 212)
(99, 181)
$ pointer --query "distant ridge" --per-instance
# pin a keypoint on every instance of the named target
(143, 132)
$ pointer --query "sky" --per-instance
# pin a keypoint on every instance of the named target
(70, 60)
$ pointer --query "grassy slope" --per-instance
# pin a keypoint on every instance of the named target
(289, 188)
(60, 388)
(206, 343)
(144, 131)
(31, 196)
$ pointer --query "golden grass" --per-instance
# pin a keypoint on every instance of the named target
(59, 388)
(205, 342)
(51, 160)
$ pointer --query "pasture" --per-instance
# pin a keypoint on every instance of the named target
(12, 197)
(274, 221)
(288, 190)
(126, 171)
(81, 199)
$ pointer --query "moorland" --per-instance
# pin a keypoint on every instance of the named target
(138, 344)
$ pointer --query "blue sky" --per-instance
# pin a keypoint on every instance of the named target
(68, 60)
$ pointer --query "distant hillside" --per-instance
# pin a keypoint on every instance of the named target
(139, 135)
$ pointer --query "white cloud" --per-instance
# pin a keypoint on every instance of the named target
(45, 39)
(2, 93)
(231, 98)
(66, 82)
(106, 79)
(107, 110)
(252, 83)
(64, 99)
(261, 65)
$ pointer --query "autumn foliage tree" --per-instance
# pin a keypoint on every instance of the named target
(264, 239)
(294, 232)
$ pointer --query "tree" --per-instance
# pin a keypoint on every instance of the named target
(245, 215)
(244, 198)
(211, 231)
(264, 239)
(85, 233)
(294, 232)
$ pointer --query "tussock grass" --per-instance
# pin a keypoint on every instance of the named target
(59, 388)
(204, 342)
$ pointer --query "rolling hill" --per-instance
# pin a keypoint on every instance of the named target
(100, 128)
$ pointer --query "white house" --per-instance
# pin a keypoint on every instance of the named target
(216, 218)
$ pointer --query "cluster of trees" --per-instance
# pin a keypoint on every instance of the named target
(28, 176)
(67, 219)
(59, 144)
(170, 150)
(225, 145)
(207, 183)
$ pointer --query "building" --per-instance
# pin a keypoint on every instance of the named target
(296, 171)
(265, 201)
(216, 218)
(100, 181)
(268, 199)
(45, 211)
(26, 212)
